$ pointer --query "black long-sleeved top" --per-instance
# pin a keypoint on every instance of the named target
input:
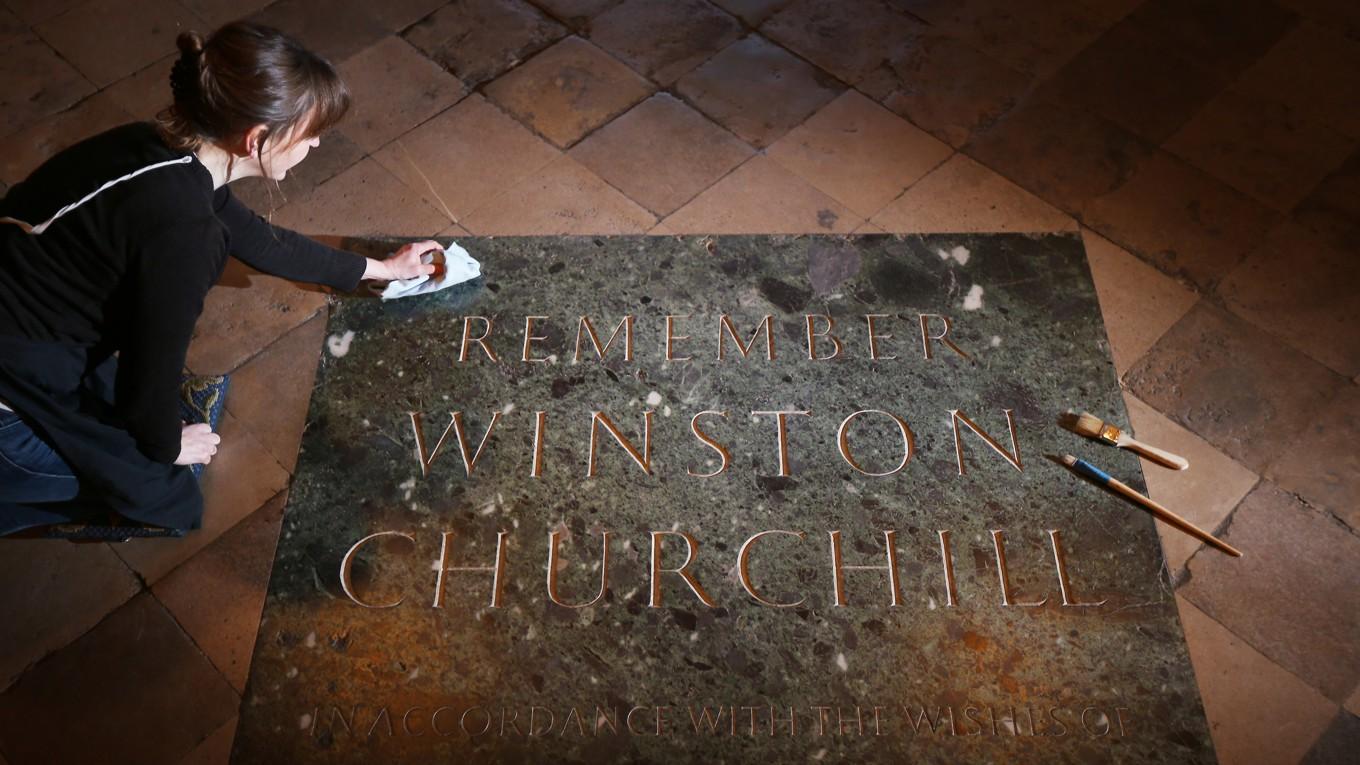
(128, 269)
(111, 246)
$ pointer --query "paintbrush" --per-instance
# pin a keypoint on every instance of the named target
(1092, 427)
(1084, 468)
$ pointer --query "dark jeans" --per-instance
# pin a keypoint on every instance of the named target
(30, 472)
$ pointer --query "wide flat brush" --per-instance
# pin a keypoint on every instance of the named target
(1093, 427)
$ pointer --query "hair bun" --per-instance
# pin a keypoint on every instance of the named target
(190, 43)
(187, 72)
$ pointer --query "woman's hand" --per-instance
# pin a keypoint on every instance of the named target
(197, 444)
(404, 264)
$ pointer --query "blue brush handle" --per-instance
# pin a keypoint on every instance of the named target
(1092, 472)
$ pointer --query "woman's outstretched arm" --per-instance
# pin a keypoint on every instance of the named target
(278, 251)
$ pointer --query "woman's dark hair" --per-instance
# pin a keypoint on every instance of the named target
(244, 75)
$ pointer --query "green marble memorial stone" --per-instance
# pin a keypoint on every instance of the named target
(775, 630)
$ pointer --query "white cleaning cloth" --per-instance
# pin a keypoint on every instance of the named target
(458, 267)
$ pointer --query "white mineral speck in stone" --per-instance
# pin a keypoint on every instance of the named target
(973, 300)
(310, 642)
(653, 398)
(292, 672)
(508, 409)
(338, 345)
(959, 254)
(552, 358)
(694, 637)
(408, 486)
(841, 662)
(304, 722)
(666, 411)
(996, 341)
(819, 755)
(930, 603)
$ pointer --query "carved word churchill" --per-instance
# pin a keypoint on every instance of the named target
(890, 571)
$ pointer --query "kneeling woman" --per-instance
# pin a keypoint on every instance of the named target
(111, 246)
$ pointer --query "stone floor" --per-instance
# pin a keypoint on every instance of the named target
(1208, 151)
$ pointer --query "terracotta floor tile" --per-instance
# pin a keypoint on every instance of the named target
(1314, 69)
(245, 312)
(661, 153)
(1204, 493)
(397, 15)
(1139, 302)
(335, 29)
(242, 477)
(478, 40)
(1321, 463)
(1138, 79)
(37, 11)
(139, 690)
(1336, 14)
(216, 748)
(1262, 147)
(395, 88)
(762, 197)
(38, 83)
(664, 39)
(563, 198)
(1258, 713)
(1221, 377)
(1338, 744)
(218, 594)
(271, 392)
(52, 592)
(1036, 36)
(576, 14)
(1333, 208)
(145, 93)
(12, 29)
(818, 30)
(22, 152)
(335, 154)
(569, 90)
(869, 228)
(1182, 220)
(215, 13)
(109, 39)
(859, 153)
(1298, 288)
(962, 195)
(1061, 153)
(1294, 595)
(753, 12)
(1223, 35)
(757, 90)
(945, 87)
(469, 154)
(365, 200)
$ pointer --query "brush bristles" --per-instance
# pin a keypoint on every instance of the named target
(1088, 425)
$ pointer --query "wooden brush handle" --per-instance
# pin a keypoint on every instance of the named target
(1159, 456)
(1173, 519)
